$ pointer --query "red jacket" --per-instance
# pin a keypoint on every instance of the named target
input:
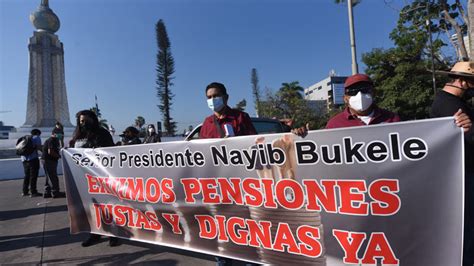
(346, 119)
(240, 122)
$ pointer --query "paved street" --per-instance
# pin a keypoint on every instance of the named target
(36, 231)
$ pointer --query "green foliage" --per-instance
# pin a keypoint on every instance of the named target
(445, 21)
(401, 74)
(288, 103)
(165, 70)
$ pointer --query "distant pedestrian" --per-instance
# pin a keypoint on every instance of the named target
(50, 157)
(59, 131)
(89, 134)
(31, 165)
(151, 135)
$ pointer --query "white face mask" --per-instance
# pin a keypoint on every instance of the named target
(151, 130)
(216, 104)
(361, 101)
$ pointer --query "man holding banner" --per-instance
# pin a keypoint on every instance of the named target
(361, 110)
(452, 101)
(223, 123)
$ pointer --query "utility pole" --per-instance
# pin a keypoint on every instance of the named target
(428, 25)
(355, 68)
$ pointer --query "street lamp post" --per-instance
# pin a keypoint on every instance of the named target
(355, 68)
(428, 25)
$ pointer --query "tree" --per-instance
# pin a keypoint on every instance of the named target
(241, 105)
(447, 22)
(139, 122)
(291, 90)
(255, 90)
(288, 103)
(165, 70)
(400, 74)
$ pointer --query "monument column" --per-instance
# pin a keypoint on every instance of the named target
(47, 97)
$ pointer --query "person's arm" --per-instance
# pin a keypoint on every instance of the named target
(463, 121)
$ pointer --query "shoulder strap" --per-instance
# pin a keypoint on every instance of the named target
(218, 127)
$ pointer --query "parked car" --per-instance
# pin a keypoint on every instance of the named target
(262, 125)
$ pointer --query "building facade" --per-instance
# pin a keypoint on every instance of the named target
(329, 91)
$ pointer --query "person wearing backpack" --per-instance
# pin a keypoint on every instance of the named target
(31, 165)
(50, 156)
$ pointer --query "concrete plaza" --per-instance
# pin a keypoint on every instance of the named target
(36, 231)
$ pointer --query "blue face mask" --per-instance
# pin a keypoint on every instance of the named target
(216, 104)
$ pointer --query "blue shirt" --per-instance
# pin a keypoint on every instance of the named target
(37, 142)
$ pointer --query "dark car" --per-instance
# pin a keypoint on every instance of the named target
(262, 125)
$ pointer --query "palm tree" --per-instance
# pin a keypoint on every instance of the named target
(291, 90)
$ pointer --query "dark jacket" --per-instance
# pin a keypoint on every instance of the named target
(51, 149)
(153, 138)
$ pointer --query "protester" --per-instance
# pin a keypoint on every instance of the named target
(129, 137)
(89, 134)
(224, 122)
(59, 131)
(361, 109)
(31, 165)
(151, 135)
(50, 157)
(452, 101)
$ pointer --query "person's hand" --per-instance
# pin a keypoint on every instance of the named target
(301, 131)
(462, 120)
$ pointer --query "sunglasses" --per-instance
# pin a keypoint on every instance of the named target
(354, 91)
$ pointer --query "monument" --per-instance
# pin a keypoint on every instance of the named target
(47, 98)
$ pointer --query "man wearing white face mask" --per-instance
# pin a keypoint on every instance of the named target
(225, 122)
(361, 109)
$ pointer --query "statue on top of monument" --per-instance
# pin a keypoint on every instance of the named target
(44, 18)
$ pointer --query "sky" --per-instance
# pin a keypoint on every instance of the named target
(110, 50)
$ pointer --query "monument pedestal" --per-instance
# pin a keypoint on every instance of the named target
(45, 132)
